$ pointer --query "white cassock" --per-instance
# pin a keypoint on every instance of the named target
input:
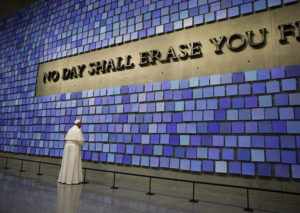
(71, 166)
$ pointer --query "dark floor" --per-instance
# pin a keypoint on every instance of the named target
(26, 192)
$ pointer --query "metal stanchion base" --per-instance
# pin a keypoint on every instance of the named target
(5, 168)
(248, 209)
(193, 201)
(150, 193)
(22, 170)
(85, 182)
(39, 174)
(114, 187)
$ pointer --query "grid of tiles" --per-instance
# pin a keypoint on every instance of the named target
(238, 123)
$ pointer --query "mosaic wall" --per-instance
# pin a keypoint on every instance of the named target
(244, 123)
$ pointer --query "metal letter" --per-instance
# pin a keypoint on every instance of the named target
(155, 56)
(196, 49)
(298, 26)
(259, 44)
(81, 69)
(219, 44)
(285, 30)
(171, 55)
(238, 48)
(144, 59)
(66, 74)
(184, 52)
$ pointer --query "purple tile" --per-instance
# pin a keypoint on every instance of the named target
(225, 127)
(191, 152)
(218, 140)
(258, 88)
(281, 171)
(244, 114)
(288, 157)
(251, 101)
(207, 166)
(171, 128)
(206, 140)
(213, 127)
(127, 159)
(264, 169)
(277, 72)
(263, 74)
(237, 127)
(258, 141)
(238, 102)
(154, 139)
(248, 169)
(272, 141)
(238, 77)
(234, 167)
(244, 89)
(224, 103)
(279, 126)
(243, 154)
(228, 154)
(138, 149)
(195, 140)
(251, 127)
(148, 149)
(288, 141)
(202, 127)
(281, 99)
(292, 71)
(179, 152)
(273, 155)
(220, 115)
(271, 113)
(174, 140)
(168, 151)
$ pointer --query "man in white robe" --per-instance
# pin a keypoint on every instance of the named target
(71, 166)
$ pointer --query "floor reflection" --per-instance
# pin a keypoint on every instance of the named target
(28, 193)
(68, 197)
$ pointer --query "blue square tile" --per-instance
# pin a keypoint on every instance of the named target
(274, 3)
(264, 169)
(224, 103)
(281, 99)
(231, 89)
(244, 89)
(265, 101)
(281, 171)
(233, 12)
(288, 84)
(286, 113)
(234, 167)
(244, 114)
(248, 169)
(251, 75)
(258, 88)
(272, 87)
(277, 72)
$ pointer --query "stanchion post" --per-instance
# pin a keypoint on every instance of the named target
(193, 199)
(84, 177)
(6, 164)
(114, 182)
(248, 209)
(39, 173)
(149, 192)
(21, 170)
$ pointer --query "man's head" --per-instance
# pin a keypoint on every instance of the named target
(78, 123)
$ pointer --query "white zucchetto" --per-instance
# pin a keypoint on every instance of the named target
(77, 122)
